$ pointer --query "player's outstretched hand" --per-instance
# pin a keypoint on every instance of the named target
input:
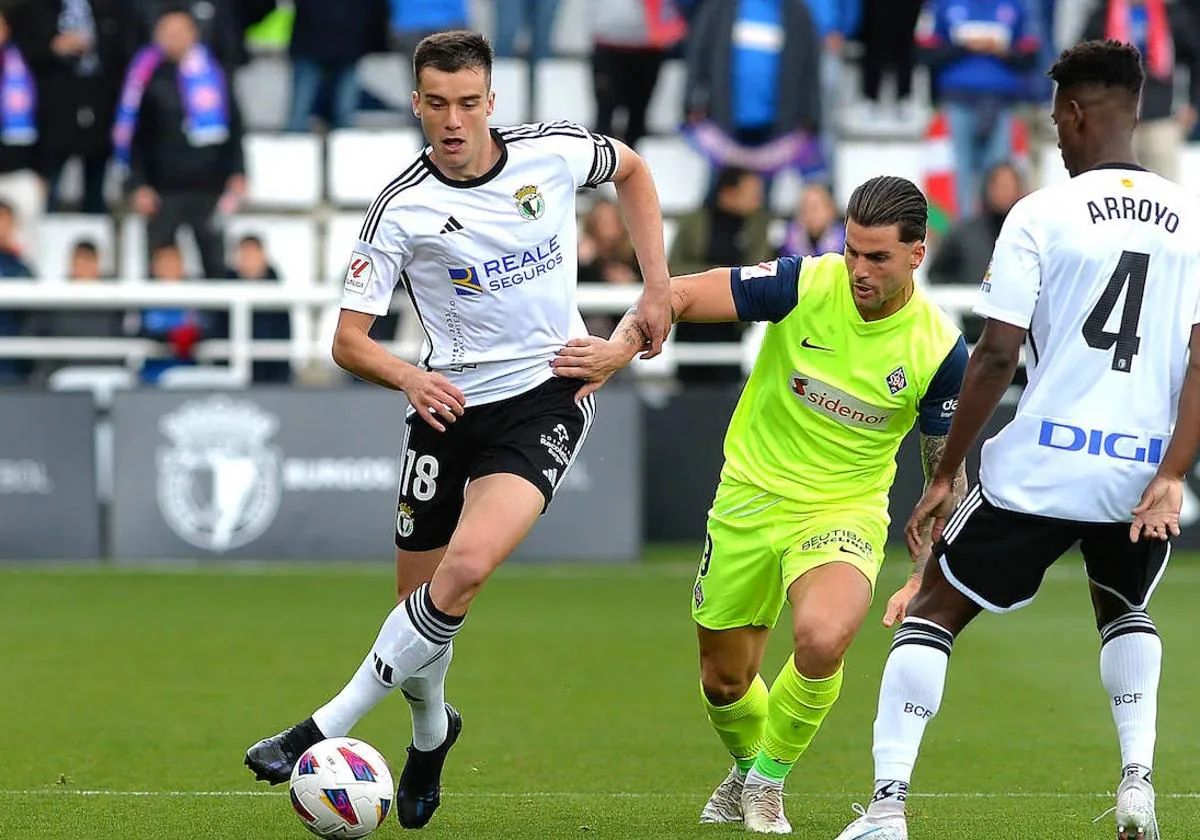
(897, 605)
(1156, 516)
(592, 359)
(654, 321)
(936, 506)
(434, 398)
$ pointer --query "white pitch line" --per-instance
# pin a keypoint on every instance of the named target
(574, 794)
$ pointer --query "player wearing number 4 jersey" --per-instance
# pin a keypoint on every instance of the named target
(480, 231)
(1098, 278)
(853, 356)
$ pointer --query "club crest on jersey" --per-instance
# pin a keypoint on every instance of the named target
(897, 381)
(404, 520)
(530, 203)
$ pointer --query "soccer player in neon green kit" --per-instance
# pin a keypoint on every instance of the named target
(853, 356)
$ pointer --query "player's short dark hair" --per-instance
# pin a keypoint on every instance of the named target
(452, 51)
(889, 200)
(85, 246)
(1109, 64)
(6, 207)
(251, 239)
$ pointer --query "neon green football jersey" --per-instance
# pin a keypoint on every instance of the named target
(831, 396)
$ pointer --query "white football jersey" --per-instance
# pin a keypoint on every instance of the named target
(1104, 272)
(489, 264)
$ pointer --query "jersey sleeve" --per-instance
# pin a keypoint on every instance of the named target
(1013, 281)
(373, 270)
(591, 158)
(937, 405)
(768, 291)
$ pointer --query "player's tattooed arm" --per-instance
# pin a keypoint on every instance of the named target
(932, 448)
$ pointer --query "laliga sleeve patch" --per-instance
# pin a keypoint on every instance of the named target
(763, 269)
(358, 272)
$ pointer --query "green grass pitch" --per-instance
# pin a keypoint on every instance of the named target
(128, 697)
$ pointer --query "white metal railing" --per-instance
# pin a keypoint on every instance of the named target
(313, 310)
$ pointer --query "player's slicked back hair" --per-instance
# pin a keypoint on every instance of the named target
(452, 51)
(888, 200)
(1109, 64)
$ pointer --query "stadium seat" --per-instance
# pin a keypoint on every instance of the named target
(132, 247)
(58, 233)
(563, 91)
(290, 243)
(573, 28)
(388, 77)
(263, 88)
(102, 382)
(510, 80)
(681, 174)
(860, 160)
(361, 163)
(200, 377)
(666, 105)
(341, 232)
(283, 171)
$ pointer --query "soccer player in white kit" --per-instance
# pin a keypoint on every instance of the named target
(1099, 278)
(480, 230)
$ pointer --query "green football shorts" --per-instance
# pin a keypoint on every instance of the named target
(758, 544)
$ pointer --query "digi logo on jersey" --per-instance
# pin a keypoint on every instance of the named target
(507, 271)
(1125, 447)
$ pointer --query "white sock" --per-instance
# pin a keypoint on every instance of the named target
(426, 694)
(1130, 665)
(753, 777)
(412, 634)
(909, 696)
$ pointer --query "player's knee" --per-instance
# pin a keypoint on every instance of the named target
(722, 683)
(820, 644)
(465, 570)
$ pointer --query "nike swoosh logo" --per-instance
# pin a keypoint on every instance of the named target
(811, 346)
(848, 551)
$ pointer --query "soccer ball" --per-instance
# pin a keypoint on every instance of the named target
(342, 788)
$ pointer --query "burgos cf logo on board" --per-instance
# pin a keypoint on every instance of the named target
(218, 480)
(507, 271)
(835, 403)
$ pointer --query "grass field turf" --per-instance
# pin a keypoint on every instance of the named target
(129, 696)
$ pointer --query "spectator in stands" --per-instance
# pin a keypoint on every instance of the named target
(179, 329)
(328, 39)
(77, 51)
(836, 20)
(606, 256)
(21, 189)
(179, 130)
(412, 20)
(888, 47)
(631, 40)
(221, 24)
(818, 228)
(536, 17)
(964, 253)
(754, 75)
(80, 323)
(979, 53)
(251, 263)
(730, 230)
(12, 321)
(1166, 36)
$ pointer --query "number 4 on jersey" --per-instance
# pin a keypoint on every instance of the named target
(1131, 269)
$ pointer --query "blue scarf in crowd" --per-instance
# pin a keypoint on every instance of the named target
(201, 89)
(18, 101)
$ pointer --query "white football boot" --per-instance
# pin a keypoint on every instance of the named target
(762, 809)
(725, 804)
(1135, 809)
(882, 827)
